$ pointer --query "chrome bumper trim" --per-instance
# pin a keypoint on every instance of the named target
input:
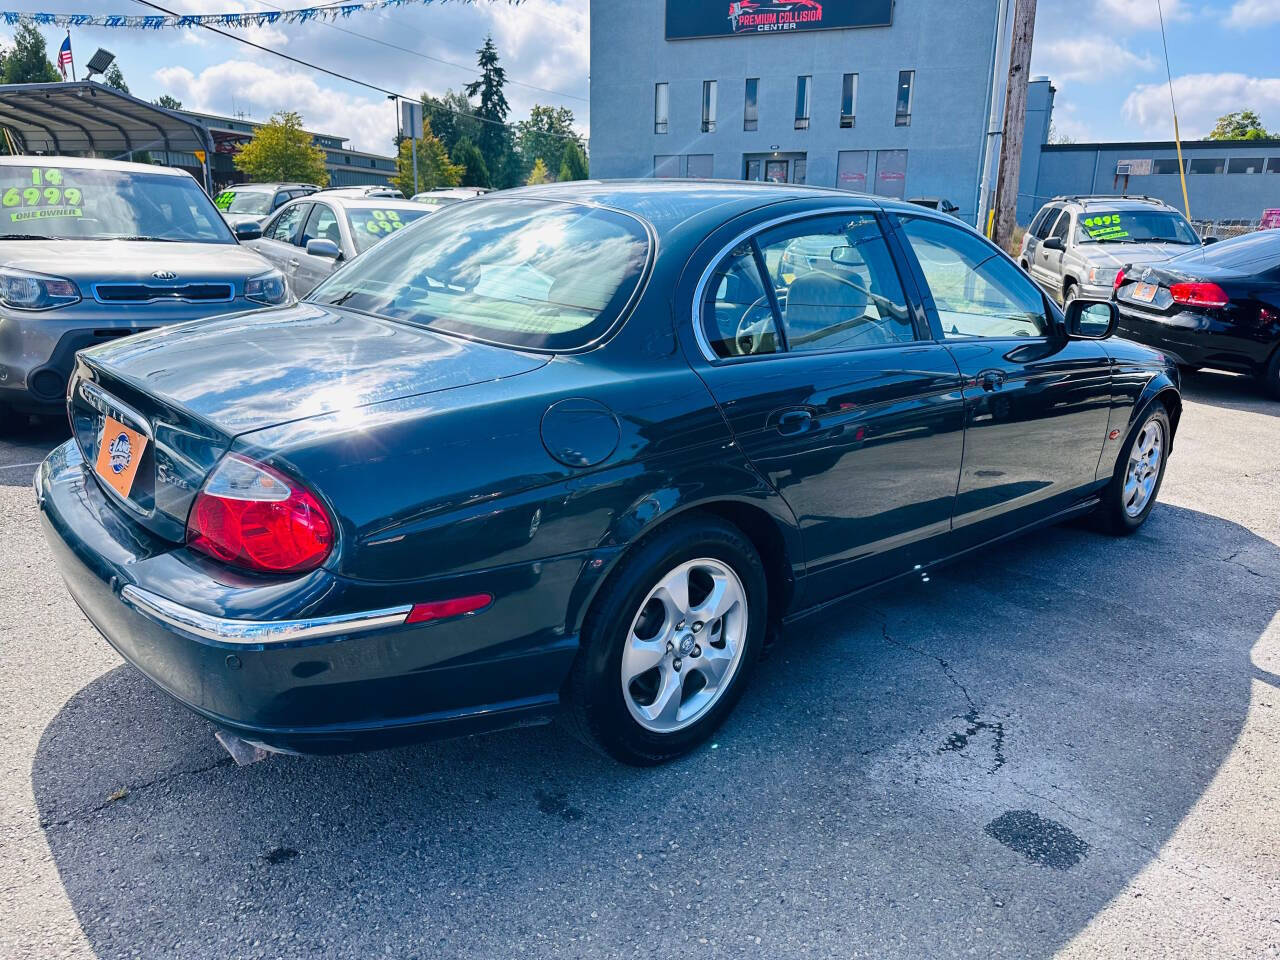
(226, 630)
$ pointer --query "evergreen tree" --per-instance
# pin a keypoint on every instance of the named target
(451, 118)
(538, 174)
(574, 164)
(282, 150)
(493, 139)
(28, 61)
(114, 78)
(546, 135)
(434, 167)
(467, 155)
(168, 102)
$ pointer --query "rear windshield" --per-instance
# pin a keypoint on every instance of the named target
(49, 201)
(1133, 226)
(371, 224)
(519, 272)
(1252, 253)
(244, 201)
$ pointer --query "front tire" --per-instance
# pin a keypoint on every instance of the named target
(1072, 293)
(1271, 378)
(670, 643)
(1129, 497)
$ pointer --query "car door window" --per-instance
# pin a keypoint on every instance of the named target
(835, 283)
(737, 315)
(287, 224)
(321, 225)
(977, 292)
(1047, 224)
(1034, 227)
(1060, 228)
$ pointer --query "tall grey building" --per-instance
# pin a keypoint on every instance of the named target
(895, 98)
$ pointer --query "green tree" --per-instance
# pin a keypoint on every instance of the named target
(539, 173)
(573, 164)
(546, 135)
(1240, 125)
(168, 102)
(493, 139)
(468, 156)
(114, 78)
(451, 118)
(434, 166)
(28, 61)
(282, 150)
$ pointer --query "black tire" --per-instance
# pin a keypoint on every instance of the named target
(595, 706)
(1071, 293)
(1115, 518)
(1271, 379)
(10, 421)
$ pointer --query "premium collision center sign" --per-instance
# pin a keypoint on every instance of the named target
(688, 19)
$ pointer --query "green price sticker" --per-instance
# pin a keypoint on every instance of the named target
(224, 200)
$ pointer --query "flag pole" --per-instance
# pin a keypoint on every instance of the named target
(73, 57)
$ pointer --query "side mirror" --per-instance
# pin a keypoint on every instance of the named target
(1208, 240)
(323, 247)
(846, 256)
(247, 231)
(1091, 319)
(1053, 243)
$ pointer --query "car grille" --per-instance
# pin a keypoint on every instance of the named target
(150, 292)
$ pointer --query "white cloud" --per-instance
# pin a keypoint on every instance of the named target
(1099, 60)
(260, 91)
(1253, 13)
(1132, 13)
(1067, 123)
(1202, 98)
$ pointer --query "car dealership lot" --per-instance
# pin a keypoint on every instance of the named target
(1070, 743)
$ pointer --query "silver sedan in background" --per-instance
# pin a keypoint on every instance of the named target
(308, 239)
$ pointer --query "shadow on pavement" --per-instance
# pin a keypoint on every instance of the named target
(1230, 391)
(978, 763)
(23, 448)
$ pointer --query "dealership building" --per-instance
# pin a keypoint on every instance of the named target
(902, 99)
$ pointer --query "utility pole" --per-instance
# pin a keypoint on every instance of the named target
(1015, 122)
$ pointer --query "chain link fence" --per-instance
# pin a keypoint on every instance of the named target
(1224, 229)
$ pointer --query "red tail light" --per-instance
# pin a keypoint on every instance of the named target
(1199, 294)
(252, 516)
(1119, 280)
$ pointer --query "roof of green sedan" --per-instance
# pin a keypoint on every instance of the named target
(668, 203)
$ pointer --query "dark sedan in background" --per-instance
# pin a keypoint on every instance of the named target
(1217, 306)
(580, 445)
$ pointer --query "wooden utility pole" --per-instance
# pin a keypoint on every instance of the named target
(1015, 122)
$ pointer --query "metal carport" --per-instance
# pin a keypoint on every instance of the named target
(84, 118)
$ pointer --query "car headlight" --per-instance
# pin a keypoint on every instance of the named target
(1103, 276)
(269, 288)
(22, 290)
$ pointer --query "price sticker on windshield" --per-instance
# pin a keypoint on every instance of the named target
(224, 200)
(1104, 227)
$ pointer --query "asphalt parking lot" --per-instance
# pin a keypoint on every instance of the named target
(1067, 746)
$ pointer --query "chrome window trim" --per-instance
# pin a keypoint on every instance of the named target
(258, 632)
(699, 291)
(104, 403)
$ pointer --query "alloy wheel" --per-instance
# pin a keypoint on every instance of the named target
(684, 645)
(1145, 456)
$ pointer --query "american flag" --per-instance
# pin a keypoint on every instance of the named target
(64, 56)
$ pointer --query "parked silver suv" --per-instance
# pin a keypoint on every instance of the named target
(1075, 245)
(91, 250)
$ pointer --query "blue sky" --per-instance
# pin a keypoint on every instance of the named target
(1103, 55)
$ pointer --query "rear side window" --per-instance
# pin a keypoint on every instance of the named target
(1033, 228)
(1050, 217)
(529, 273)
(1060, 228)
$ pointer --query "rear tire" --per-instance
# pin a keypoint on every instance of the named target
(1271, 379)
(669, 644)
(1129, 497)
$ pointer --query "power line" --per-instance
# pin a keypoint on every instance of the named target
(391, 94)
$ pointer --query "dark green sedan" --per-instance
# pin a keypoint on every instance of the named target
(580, 448)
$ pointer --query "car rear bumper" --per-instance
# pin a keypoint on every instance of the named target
(323, 682)
(1192, 338)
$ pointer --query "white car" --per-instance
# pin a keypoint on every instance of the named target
(444, 196)
(309, 238)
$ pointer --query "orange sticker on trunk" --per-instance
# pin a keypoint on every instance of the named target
(119, 453)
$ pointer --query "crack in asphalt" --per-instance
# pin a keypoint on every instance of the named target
(129, 791)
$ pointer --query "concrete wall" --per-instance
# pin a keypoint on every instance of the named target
(950, 46)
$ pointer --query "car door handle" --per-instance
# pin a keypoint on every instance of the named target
(991, 380)
(794, 421)
(293, 262)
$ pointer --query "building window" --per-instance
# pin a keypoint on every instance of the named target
(849, 101)
(666, 166)
(1207, 165)
(700, 166)
(753, 169)
(1245, 165)
(661, 101)
(891, 173)
(802, 102)
(1165, 165)
(1273, 165)
(751, 106)
(906, 80)
(851, 170)
(708, 106)
(799, 170)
